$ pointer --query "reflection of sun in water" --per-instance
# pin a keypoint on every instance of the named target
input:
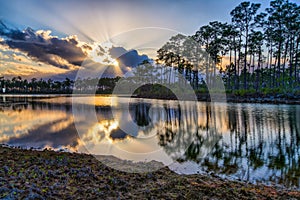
(101, 131)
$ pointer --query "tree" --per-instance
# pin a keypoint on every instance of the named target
(230, 42)
(67, 83)
(256, 39)
(276, 17)
(211, 38)
(243, 17)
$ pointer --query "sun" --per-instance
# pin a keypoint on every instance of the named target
(116, 63)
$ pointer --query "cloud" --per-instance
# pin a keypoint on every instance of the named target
(36, 51)
(3, 56)
(21, 58)
(28, 70)
(105, 55)
(66, 53)
(129, 58)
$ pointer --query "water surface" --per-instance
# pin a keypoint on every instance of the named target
(252, 142)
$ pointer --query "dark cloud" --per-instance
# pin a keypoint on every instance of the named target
(128, 58)
(60, 52)
(67, 53)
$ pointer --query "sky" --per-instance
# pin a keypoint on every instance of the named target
(82, 25)
(99, 19)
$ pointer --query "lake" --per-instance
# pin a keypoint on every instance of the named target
(251, 142)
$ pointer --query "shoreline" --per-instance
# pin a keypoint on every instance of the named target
(47, 174)
(203, 98)
(234, 99)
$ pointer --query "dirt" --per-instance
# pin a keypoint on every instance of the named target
(30, 174)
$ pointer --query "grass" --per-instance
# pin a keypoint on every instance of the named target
(60, 175)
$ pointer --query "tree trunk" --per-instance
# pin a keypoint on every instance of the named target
(235, 56)
(296, 60)
(278, 61)
(245, 59)
(258, 71)
(275, 73)
(239, 59)
(284, 61)
(271, 62)
(291, 60)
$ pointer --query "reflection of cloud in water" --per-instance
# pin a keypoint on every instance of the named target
(48, 123)
(100, 132)
(245, 141)
(59, 133)
(145, 142)
(15, 124)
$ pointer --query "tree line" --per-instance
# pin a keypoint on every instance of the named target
(256, 51)
(19, 85)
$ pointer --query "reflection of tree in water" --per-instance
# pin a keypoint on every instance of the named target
(259, 143)
(185, 135)
(140, 113)
(23, 103)
(171, 124)
(206, 134)
(17, 104)
(176, 126)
